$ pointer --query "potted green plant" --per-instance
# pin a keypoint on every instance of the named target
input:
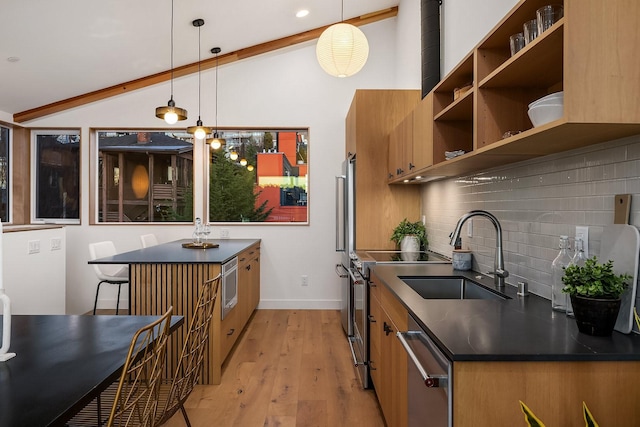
(595, 291)
(410, 236)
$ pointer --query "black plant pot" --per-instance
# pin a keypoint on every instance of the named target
(595, 316)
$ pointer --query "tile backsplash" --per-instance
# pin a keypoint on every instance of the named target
(536, 201)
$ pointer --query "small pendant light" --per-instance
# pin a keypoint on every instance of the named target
(217, 141)
(342, 49)
(171, 114)
(198, 131)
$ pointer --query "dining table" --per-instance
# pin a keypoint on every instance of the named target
(62, 363)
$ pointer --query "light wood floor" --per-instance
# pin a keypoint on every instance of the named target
(289, 368)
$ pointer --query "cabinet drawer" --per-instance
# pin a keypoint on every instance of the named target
(229, 332)
(394, 308)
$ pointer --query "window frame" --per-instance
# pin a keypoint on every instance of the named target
(240, 129)
(34, 132)
(94, 193)
(9, 173)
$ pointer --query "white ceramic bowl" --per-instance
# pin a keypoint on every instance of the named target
(553, 98)
(542, 114)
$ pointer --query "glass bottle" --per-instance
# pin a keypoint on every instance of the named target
(578, 259)
(197, 233)
(558, 298)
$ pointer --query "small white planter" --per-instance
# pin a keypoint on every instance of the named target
(410, 244)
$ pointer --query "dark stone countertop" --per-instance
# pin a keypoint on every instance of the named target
(174, 253)
(518, 329)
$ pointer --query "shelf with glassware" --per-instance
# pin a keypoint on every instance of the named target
(587, 54)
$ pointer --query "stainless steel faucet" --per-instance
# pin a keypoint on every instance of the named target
(499, 273)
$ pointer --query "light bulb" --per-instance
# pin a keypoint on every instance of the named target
(250, 168)
(215, 144)
(233, 155)
(200, 133)
(243, 162)
(171, 117)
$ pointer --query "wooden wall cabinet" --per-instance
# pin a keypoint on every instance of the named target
(388, 359)
(379, 207)
(589, 54)
(411, 143)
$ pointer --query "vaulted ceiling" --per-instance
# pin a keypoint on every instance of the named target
(55, 50)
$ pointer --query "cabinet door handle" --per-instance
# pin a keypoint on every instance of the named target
(371, 319)
(411, 166)
(387, 329)
(231, 331)
(248, 267)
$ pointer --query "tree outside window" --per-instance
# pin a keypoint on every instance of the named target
(260, 176)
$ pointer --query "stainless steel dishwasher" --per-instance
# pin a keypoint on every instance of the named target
(429, 379)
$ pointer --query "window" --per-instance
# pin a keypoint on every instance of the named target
(145, 176)
(260, 176)
(57, 176)
(4, 174)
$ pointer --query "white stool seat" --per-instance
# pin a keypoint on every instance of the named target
(114, 274)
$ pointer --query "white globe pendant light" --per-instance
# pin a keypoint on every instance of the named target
(342, 49)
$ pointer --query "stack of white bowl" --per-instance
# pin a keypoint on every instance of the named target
(546, 109)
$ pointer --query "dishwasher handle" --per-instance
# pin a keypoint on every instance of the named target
(429, 380)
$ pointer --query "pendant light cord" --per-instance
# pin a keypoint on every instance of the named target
(171, 49)
(216, 93)
(199, 60)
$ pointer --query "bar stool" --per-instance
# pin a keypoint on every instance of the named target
(107, 273)
(148, 240)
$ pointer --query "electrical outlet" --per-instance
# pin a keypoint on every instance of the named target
(470, 228)
(224, 233)
(582, 232)
(34, 246)
(56, 244)
(304, 280)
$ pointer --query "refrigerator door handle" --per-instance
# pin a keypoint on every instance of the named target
(340, 220)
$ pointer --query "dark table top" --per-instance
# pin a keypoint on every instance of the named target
(174, 253)
(518, 329)
(61, 364)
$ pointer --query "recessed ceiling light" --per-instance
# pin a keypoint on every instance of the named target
(13, 59)
(302, 13)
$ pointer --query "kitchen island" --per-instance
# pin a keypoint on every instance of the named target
(171, 275)
(503, 351)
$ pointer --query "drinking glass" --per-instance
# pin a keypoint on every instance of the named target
(530, 31)
(516, 42)
(548, 15)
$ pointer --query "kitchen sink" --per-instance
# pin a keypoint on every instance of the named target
(450, 288)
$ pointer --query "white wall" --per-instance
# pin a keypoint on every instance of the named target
(285, 88)
(34, 282)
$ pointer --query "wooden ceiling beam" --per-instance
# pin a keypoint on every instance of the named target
(192, 68)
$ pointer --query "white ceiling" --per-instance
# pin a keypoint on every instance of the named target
(67, 48)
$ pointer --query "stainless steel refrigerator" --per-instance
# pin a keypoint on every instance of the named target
(345, 238)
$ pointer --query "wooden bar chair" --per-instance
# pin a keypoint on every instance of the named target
(174, 393)
(133, 400)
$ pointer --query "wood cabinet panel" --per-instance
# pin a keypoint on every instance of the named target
(488, 392)
(379, 207)
(388, 357)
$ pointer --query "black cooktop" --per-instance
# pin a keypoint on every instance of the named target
(398, 256)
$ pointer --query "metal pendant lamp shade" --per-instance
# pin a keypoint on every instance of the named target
(217, 141)
(199, 131)
(342, 50)
(170, 113)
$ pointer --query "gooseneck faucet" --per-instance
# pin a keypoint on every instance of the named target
(499, 273)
